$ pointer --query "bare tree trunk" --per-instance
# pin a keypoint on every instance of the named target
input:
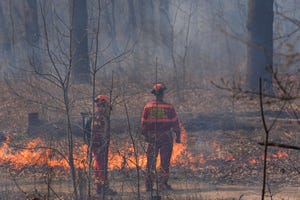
(260, 47)
(167, 38)
(4, 36)
(32, 32)
(132, 30)
(147, 26)
(79, 43)
(111, 23)
(12, 33)
(132, 22)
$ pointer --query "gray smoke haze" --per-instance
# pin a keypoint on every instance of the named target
(206, 38)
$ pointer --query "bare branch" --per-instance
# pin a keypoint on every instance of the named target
(285, 146)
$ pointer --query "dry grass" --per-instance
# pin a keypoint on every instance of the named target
(217, 125)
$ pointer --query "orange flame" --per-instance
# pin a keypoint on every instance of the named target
(280, 155)
(274, 156)
(35, 153)
(126, 158)
(253, 161)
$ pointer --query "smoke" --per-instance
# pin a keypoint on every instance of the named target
(199, 38)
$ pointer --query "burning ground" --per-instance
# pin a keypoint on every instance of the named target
(219, 158)
(216, 149)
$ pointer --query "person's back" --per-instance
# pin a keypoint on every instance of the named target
(100, 143)
(158, 118)
(159, 121)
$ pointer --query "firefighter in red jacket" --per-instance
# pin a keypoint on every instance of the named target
(100, 143)
(159, 121)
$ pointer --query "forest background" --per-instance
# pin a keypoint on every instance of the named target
(57, 55)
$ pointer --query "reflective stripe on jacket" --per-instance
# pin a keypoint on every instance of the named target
(100, 123)
(159, 117)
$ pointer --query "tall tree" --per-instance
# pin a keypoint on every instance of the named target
(5, 43)
(32, 34)
(132, 21)
(148, 31)
(260, 46)
(110, 15)
(165, 26)
(79, 42)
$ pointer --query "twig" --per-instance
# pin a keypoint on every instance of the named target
(135, 151)
(266, 141)
(286, 146)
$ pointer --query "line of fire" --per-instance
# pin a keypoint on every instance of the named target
(38, 153)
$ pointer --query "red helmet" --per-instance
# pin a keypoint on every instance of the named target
(100, 99)
(158, 88)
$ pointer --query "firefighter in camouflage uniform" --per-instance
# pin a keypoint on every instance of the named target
(100, 127)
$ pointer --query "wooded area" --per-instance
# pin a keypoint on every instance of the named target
(231, 69)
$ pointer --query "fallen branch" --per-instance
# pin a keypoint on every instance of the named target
(286, 146)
